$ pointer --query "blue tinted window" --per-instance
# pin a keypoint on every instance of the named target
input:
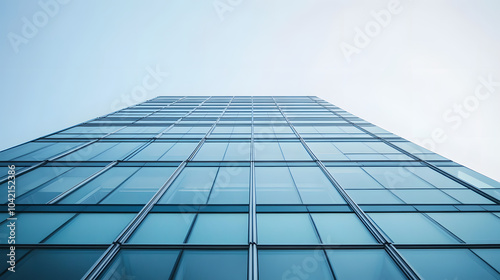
(314, 187)
(424, 197)
(21, 150)
(373, 197)
(363, 264)
(467, 196)
(34, 154)
(411, 228)
(142, 264)
(95, 190)
(341, 228)
(213, 264)
(166, 151)
(32, 228)
(231, 186)
(491, 256)
(45, 192)
(448, 264)
(220, 229)
(164, 228)
(275, 186)
(353, 178)
(91, 228)
(102, 151)
(285, 229)
(293, 264)
(396, 177)
(48, 264)
(192, 186)
(471, 227)
(140, 187)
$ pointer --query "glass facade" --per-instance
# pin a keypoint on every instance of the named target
(222, 187)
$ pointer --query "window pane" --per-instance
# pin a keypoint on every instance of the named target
(142, 264)
(353, 178)
(448, 264)
(164, 228)
(231, 186)
(220, 229)
(285, 229)
(48, 264)
(471, 227)
(32, 228)
(192, 186)
(21, 150)
(491, 256)
(140, 187)
(267, 151)
(341, 228)
(47, 152)
(102, 151)
(213, 151)
(95, 190)
(424, 197)
(166, 151)
(396, 177)
(467, 196)
(275, 186)
(375, 264)
(294, 151)
(213, 264)
(34, 178)
(314, 187)
(44, 193)
(411, 228)
(91, 228)
(373, 197)
(293, 264)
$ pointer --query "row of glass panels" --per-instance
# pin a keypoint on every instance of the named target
(231, 184)
(272, 228)
(272, 264)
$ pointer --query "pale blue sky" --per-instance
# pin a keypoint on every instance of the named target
(90, 57)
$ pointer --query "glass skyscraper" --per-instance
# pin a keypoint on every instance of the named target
(243, 187)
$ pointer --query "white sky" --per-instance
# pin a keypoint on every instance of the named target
(87, 58)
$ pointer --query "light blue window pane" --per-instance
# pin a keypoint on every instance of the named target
(396, 177)
(164, 228)
(353, 147)
(180, 151)
(213, 264)
(472, 177)
(373, 197)
(220, 229)
(382, 148)
(192, 186)
(285, 229)
(314, 187)
(366, 157)
(491, 256)
(237, 151)
(49, 151)
(21, 150)
(95, 190)
(341, 228)
(424, 197)
(493, 192)
(294, 151)
(275, 186)
(117, 152)
(142, 129)
(448, 264)
(212, 151)
(48, 264)
(471, 227)
(375, 264)
(62, 183)
(153, 151)
(142, 264)
(412, 148)
(33, 179)
(467, 196)
(411, 228)
(353, 178)
(231, 186)
(436, 179)
(267, 151)
(91, 228)
(32, 228)
(293, 264)
(140, 187)
(88, 152)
